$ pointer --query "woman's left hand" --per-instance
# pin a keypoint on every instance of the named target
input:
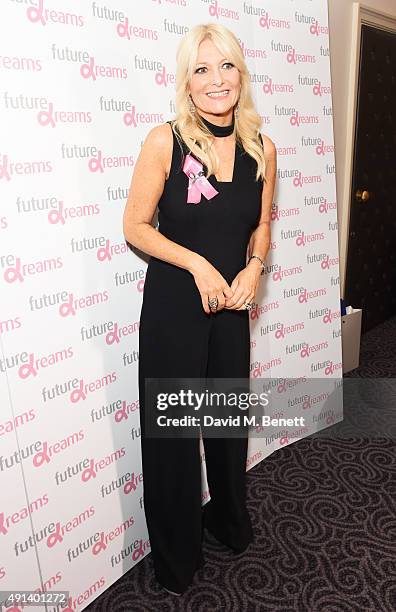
(244, 286)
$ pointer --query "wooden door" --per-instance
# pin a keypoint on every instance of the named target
(370, 281)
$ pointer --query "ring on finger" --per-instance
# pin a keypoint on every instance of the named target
(213, 303)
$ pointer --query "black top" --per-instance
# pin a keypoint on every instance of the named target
(220, 131)
(220, 228)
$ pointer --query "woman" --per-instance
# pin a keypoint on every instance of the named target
(212, 176)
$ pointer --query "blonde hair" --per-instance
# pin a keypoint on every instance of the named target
(247, 121)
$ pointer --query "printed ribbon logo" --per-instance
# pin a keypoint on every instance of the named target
(3, 168)
(89, 472)
(291, 57)
(330, 368)
(69, 607)
(55, 537)
(303, 297)
(198, 184)
(214, 9)
(95, 163)
(3, 528)
(267, 87)
(317, 89)
(324, 207)
(264, 21)
(330, 419)
(121, 414)
(104, 252)
(138, 552)
(295, 119)
(325, 263)
(129, 118)
(131, 484)
(282, 388)
(67, 308)
(300, 241)
(87, 70)
(314, 28)
(254, 313)
(41, 456)
(47, 117)
(100, 545)
(275, 216)
(327, 318)
(78, 394)
(56, 215)
(123, 29)
(28, 369)
(113, 336)
(35, 14)
(277, 275)
(13, 273)
(162, 78)
(280, 332)
(297, 181)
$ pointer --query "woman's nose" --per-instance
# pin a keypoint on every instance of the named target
(217, 79)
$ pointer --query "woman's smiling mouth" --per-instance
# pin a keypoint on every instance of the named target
(218, 94)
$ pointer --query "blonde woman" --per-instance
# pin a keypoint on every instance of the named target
(212, 175)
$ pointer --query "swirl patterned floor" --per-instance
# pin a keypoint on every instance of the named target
(323, 512)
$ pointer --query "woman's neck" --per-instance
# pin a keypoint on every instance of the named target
(219, 131)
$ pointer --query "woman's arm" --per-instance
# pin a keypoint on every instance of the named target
(145, 191)
(260, 239)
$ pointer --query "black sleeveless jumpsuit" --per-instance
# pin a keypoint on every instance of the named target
(178, 339)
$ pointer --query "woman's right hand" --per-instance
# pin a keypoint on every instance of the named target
(210, 284)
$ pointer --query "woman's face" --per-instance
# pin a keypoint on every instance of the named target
(214, 74)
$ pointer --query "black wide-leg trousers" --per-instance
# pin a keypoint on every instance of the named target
(218, 346)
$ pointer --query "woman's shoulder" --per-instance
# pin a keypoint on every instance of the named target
(160, 135)
(269, 146)
(159, 141)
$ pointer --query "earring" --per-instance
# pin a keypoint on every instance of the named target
(191, 105)
(237, 109)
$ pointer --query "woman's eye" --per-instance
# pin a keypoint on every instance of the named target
(229, 64)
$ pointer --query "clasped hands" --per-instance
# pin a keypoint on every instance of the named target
(211, 284)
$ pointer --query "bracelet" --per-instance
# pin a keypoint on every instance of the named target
(260, 260)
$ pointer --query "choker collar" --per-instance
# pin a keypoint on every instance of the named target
(219, 130)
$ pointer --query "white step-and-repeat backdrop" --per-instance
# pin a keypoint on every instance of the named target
(81, 85)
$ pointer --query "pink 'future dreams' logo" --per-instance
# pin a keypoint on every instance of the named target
(101, 464)
(10, 169)
(38, 14)
(49, 450)
(52, 118)
(91, 70)
(315, 29)
(268, 22)
(81, 392)
(163, 77)
(106, 253)
(99, 163)
(61, 530)
(19, 270)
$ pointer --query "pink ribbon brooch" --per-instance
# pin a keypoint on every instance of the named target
(198, 184)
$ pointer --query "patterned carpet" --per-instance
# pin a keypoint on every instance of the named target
(323, 512)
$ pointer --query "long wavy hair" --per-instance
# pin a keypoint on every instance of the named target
(192, 130)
